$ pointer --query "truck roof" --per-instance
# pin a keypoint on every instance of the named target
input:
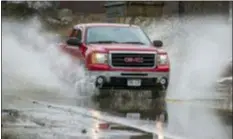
(104, 24)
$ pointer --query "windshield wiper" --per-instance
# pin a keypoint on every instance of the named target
(103, 42)
(133, 42)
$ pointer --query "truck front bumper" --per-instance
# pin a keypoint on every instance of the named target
(120, 79)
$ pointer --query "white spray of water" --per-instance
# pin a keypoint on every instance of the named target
(33, 65)
(199, 50)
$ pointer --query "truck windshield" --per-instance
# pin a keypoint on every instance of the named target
(130, 35)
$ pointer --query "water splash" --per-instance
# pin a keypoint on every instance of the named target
(32, 62)
(199, 49)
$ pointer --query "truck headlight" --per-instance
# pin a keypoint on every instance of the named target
(99, 58)
(162, 59)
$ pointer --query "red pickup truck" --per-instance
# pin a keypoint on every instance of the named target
(120, 56)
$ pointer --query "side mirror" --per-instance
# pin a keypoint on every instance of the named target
(157, 43)
(73, 41)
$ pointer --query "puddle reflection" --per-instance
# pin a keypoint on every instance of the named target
(137, 106)
(176, 119)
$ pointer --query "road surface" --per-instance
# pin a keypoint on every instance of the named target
(117, 116)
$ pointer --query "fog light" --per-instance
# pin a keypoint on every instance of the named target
(163, 81)
(100, 80)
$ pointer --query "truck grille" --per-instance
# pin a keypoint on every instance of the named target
(120, 60)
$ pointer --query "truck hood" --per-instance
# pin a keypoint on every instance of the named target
(123, 47)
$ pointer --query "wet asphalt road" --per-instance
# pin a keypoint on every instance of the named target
(118, 116)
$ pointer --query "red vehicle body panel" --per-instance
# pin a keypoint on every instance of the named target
(83, 53)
